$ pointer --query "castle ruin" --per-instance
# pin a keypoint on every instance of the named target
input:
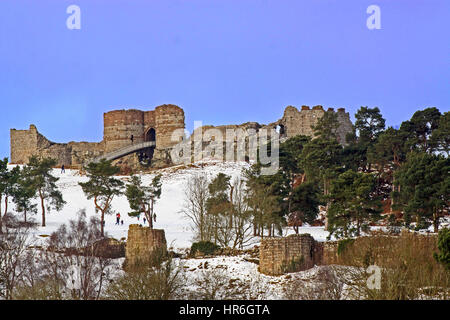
(132, 135)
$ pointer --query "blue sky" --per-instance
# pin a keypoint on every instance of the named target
(222, 61)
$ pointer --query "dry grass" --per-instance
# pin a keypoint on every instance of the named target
(409, 270)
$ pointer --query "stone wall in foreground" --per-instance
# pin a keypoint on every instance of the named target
(141, 243)
(290, 254)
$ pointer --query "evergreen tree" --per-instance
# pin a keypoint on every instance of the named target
(444, 248)
(45, 184)
(305, 206)
(420, 128)
(142, 199)
(422, 194)
(23, 192)
(290, 170)
(327, 126)
(9, 179)
(354, 154)
(321, 159)
(440, 139)
(353, 204)
(102, 187)
(264, 205)
(369, 123)
(4, 180)
(387, 155)
(220, 210)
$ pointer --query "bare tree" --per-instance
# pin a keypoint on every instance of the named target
(15, 259)
(194, 208)
(71, 262)
(242, 228)
(159, 280)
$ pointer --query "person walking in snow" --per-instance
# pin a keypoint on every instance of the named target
(118, 219)
(145, 220)
(63, 170)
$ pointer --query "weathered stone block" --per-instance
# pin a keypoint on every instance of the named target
(142, 243)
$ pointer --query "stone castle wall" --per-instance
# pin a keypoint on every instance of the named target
(27, 143)
(141, 243)
(119, 126)
(308, 118)
(290, 254)
(160, 125)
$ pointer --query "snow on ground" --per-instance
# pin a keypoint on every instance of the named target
(238, 278)
(168, 208)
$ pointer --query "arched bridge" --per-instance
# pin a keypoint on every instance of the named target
(122, 152)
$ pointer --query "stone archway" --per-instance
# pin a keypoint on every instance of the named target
(145, 157)
(150, 135)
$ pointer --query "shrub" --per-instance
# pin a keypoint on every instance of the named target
(204, 247)
(444, 248)
(159, 279)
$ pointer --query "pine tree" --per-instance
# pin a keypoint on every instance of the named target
(305, 206)
(322, 159)
(369, 123)
(45, 184)
(263, 203)
(422, 194)
(327, 126)
(443, 256)
(353, 204)
(440, 138)
(420, 128)
(220, 209)
(23, 192)
(142, 199)
(102, 187)
(4, 175)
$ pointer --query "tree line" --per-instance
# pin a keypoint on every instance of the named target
(405, 168)
(36, 181)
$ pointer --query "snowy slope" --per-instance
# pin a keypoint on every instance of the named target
(177, 227)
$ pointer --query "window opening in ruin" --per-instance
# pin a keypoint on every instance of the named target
(281, 130)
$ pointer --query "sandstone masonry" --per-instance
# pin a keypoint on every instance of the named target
(141, 243)
(158, 126)
(290, 254)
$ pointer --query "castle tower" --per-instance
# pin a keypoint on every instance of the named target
(120, 125)
(168, 118)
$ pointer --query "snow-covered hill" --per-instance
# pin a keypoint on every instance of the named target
(177, 227)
